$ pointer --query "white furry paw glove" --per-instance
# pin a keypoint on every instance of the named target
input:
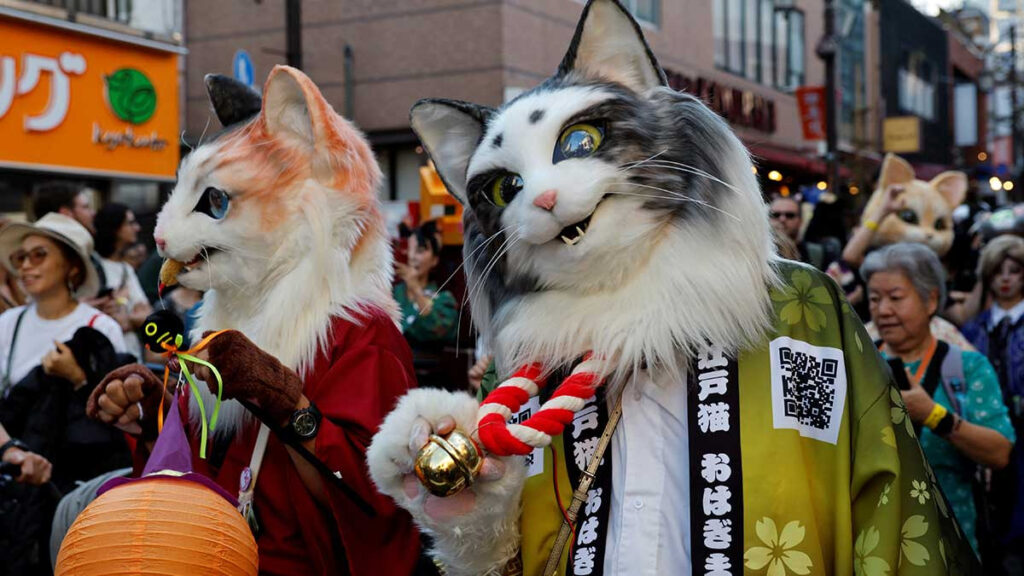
(475, 531)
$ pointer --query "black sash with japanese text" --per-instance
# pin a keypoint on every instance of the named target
(716, 477)
(587, 548)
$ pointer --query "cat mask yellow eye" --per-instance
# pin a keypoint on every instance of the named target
(578, 141)
(504, 188)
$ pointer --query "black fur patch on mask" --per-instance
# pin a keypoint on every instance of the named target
(233, 102)
(536, 116)
(667, 143)
(496, 143)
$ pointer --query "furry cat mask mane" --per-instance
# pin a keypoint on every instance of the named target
(277, 218)
(604, 211)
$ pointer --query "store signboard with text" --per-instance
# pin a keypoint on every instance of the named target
(902, 134)
(811, 102)
(80, 104)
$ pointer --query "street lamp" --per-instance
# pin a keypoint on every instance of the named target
(827, 48)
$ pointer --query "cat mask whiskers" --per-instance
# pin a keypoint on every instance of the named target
(607, 176)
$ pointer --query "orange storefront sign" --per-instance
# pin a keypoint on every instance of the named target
(75, 103)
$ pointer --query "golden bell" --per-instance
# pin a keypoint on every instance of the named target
(447, 465)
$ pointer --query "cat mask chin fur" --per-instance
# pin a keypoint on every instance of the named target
(301, 238)
(654, 241)
(927, 216)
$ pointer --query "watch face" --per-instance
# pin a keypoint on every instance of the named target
(304, 425)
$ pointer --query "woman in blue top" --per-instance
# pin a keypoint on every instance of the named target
(960, 412)
(998, 333)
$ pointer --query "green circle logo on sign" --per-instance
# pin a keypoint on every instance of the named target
(131, 95)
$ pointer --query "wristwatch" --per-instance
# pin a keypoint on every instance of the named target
(13, 443)
(304, 424)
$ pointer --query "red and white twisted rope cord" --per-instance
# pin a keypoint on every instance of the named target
(504, 439)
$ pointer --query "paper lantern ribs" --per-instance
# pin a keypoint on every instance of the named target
(169, 522)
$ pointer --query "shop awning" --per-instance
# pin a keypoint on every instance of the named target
(768, 155)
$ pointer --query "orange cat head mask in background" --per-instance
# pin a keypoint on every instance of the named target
(277, 217)
(926, 216)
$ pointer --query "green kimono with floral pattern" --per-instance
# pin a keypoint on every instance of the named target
(850, 494)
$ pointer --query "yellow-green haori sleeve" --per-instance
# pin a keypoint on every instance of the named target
(902, 523)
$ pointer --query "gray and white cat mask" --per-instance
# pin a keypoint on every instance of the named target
(604, 211)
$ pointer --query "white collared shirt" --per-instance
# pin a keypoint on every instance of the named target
(649, 522)
(998, 314)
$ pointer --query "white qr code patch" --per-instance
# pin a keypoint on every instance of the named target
(534, 460)
(808, 388)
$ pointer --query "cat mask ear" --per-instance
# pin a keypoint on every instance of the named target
(952, 186)
(293, 107)
(450, 131)
(895, 170)
(609, 45)
(232, 101)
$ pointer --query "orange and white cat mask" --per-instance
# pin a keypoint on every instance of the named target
(277, 219)
(927, 213)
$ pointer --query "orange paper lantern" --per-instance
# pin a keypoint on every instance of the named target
(159, 525)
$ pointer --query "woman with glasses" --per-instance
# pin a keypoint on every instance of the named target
(51, 258)
(123, 297)
(53, 351)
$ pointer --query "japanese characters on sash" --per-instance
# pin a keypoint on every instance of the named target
(608, 216)
(591, 524)
(716, 494)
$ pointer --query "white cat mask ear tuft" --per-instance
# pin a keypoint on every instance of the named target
(895, 170)
(952, 186)
(450, 131)
(293, 106)
(609, 45)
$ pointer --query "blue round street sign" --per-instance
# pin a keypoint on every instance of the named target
(243, 67)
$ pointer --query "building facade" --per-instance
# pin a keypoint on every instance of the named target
(374, 58)
(90, 92)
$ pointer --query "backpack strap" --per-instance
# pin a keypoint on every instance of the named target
(6, 384)
(816, 254)
(247, 483)
(953, 380)
(100, 273)
(93, 319)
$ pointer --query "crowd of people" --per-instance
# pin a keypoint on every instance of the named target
(956, 349)
(706, 402)
(73, 305)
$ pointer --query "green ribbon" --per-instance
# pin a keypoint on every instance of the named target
(199, 399)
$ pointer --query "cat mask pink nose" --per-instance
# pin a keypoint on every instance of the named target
(546, 200)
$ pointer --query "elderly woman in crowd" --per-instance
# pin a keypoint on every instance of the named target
(951, 395)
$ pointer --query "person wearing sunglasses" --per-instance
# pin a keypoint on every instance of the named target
(53, 351)
(51, 259)
(788, 221)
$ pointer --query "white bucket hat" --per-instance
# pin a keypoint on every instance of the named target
(62, 229)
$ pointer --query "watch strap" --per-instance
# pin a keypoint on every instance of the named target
(289, 429)
(334, 477)
(13, 443)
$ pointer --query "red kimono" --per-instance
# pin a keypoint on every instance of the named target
(358, 382)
